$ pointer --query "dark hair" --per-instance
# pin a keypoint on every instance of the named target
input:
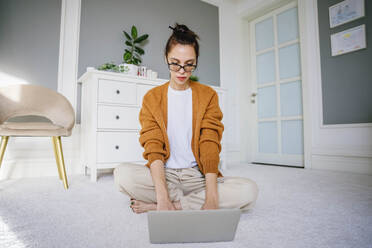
(182, 35)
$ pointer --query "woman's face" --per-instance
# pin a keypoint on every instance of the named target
(182, 55)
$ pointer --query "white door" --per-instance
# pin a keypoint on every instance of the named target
(277, 97)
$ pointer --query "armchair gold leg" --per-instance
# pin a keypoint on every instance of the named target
(54, 139)
(4, 142)
(61, 163)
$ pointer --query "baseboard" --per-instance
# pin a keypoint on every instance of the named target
(360, 165)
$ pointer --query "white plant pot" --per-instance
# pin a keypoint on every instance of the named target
(129, 69)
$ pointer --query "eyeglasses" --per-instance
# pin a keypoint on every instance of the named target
(177, 67)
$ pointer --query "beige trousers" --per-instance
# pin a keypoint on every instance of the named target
(185, 185)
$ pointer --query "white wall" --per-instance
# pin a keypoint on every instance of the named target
(234, 69)
(334, 147)
(229, 69)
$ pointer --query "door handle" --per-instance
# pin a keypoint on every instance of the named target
(253, 97)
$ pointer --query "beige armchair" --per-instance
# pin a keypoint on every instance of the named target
(24, 100)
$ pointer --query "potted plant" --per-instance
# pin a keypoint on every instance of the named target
(194, 78)
(109, 66)
(132, 54)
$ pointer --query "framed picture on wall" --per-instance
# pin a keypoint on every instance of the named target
(345, 11)
(350, 40)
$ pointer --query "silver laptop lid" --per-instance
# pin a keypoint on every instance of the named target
(181, 226)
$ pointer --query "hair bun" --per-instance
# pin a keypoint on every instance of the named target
(184, 36)
(180, 28)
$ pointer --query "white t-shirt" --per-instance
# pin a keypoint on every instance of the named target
(179, 128)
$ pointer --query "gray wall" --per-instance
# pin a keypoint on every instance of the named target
(102, 39)
(346, 79)
(29, 40)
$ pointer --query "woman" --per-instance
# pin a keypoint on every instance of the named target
(181, 134)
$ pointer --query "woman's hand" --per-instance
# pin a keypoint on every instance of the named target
(211, 192)
(210, 204)
(165, 205)
(161, 188)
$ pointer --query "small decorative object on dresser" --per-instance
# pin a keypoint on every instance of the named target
(109, 119)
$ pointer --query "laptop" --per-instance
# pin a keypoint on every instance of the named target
(187, 226)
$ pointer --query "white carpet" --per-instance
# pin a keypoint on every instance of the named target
(295, 208)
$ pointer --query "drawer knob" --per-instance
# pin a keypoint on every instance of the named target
(118, 92)
(117, 117)
(117, 147)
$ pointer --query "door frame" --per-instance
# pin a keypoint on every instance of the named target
(293, 160)
(308, 19)
(69, 50)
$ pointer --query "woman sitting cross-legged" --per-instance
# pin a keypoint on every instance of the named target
(181, 134)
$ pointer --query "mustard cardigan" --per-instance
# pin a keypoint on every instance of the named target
(206, 125)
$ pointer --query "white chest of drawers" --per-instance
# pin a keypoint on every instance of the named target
(110, 106)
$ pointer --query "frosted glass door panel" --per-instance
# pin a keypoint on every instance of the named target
(266, 68)
(264, 34)
(291, 99)
(287, 25)
(277, 83)
(292, 141)
(289, 61)
(266, 102)
(267, 137)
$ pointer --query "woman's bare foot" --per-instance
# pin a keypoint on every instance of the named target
(142, 207)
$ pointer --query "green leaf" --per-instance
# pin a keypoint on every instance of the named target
(128, 43)
(127, 35)
(107, 66)
(134, 32)
(194, 78)
(137, 58)
(139, 50)
(127, 50)
(127, 56)
(141, 38)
